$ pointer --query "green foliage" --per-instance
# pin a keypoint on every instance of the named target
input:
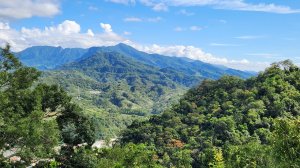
(76, 127)
(33, 118)
(218, 161)
(286, 142)
(23, 123)
(135, 156)
(230, 122)
(115, 90)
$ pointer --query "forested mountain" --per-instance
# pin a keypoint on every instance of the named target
(46, 57)
(229, 122)
(115, 89)
(184, 65)
(118, 84)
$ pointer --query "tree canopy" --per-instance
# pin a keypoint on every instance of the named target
(34, 119)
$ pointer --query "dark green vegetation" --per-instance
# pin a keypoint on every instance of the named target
(119, 84)
(229, 122)
(35, 120)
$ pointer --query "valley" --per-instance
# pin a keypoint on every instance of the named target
(119, 84)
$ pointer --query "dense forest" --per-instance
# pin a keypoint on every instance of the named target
(229, 122)
(116, 85)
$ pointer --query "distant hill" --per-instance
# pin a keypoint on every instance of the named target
(46, 57)
(118, 84)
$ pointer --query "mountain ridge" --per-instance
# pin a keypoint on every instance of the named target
(55, 57)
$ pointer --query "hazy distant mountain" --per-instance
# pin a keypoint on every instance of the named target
(181, 64)
(118, 83)
(45, 57)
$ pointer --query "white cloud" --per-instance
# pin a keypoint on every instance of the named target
(191, 28)
(126, 2)
(106, 27)
(223, 21)
(224, 45)
(155, 19)
(269, 55)
(160, 7)
(178, 29)
(137, 19)
(186, 13)
(67, 27)
(66, 34)
(127, 33)
(4, 26)
(20, 9)
(249, 37)
(133, 19)
(198, 54)
(90, 33)
(241, 5)
(195, 28)
(93, 8)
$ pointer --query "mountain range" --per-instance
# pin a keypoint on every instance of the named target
(118, 84)
(48, 57)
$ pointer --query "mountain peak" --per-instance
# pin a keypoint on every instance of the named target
(123, 45)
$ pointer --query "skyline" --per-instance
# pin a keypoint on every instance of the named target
(240, 34)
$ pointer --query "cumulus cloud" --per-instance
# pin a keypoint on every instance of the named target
(4, 26)
(20, 9)
(66, 34)
(241, 5)
(196, 53)
(106, 27)
(90, 33)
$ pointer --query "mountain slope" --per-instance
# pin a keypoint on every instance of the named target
(47, 57)
(184, 65)
(230, 121)
(120, 84)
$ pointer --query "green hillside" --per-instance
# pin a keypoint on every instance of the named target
(47, 57)
(119, 84)
(117, 90)
(230, 123)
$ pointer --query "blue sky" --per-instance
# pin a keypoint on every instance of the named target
(243, 34)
